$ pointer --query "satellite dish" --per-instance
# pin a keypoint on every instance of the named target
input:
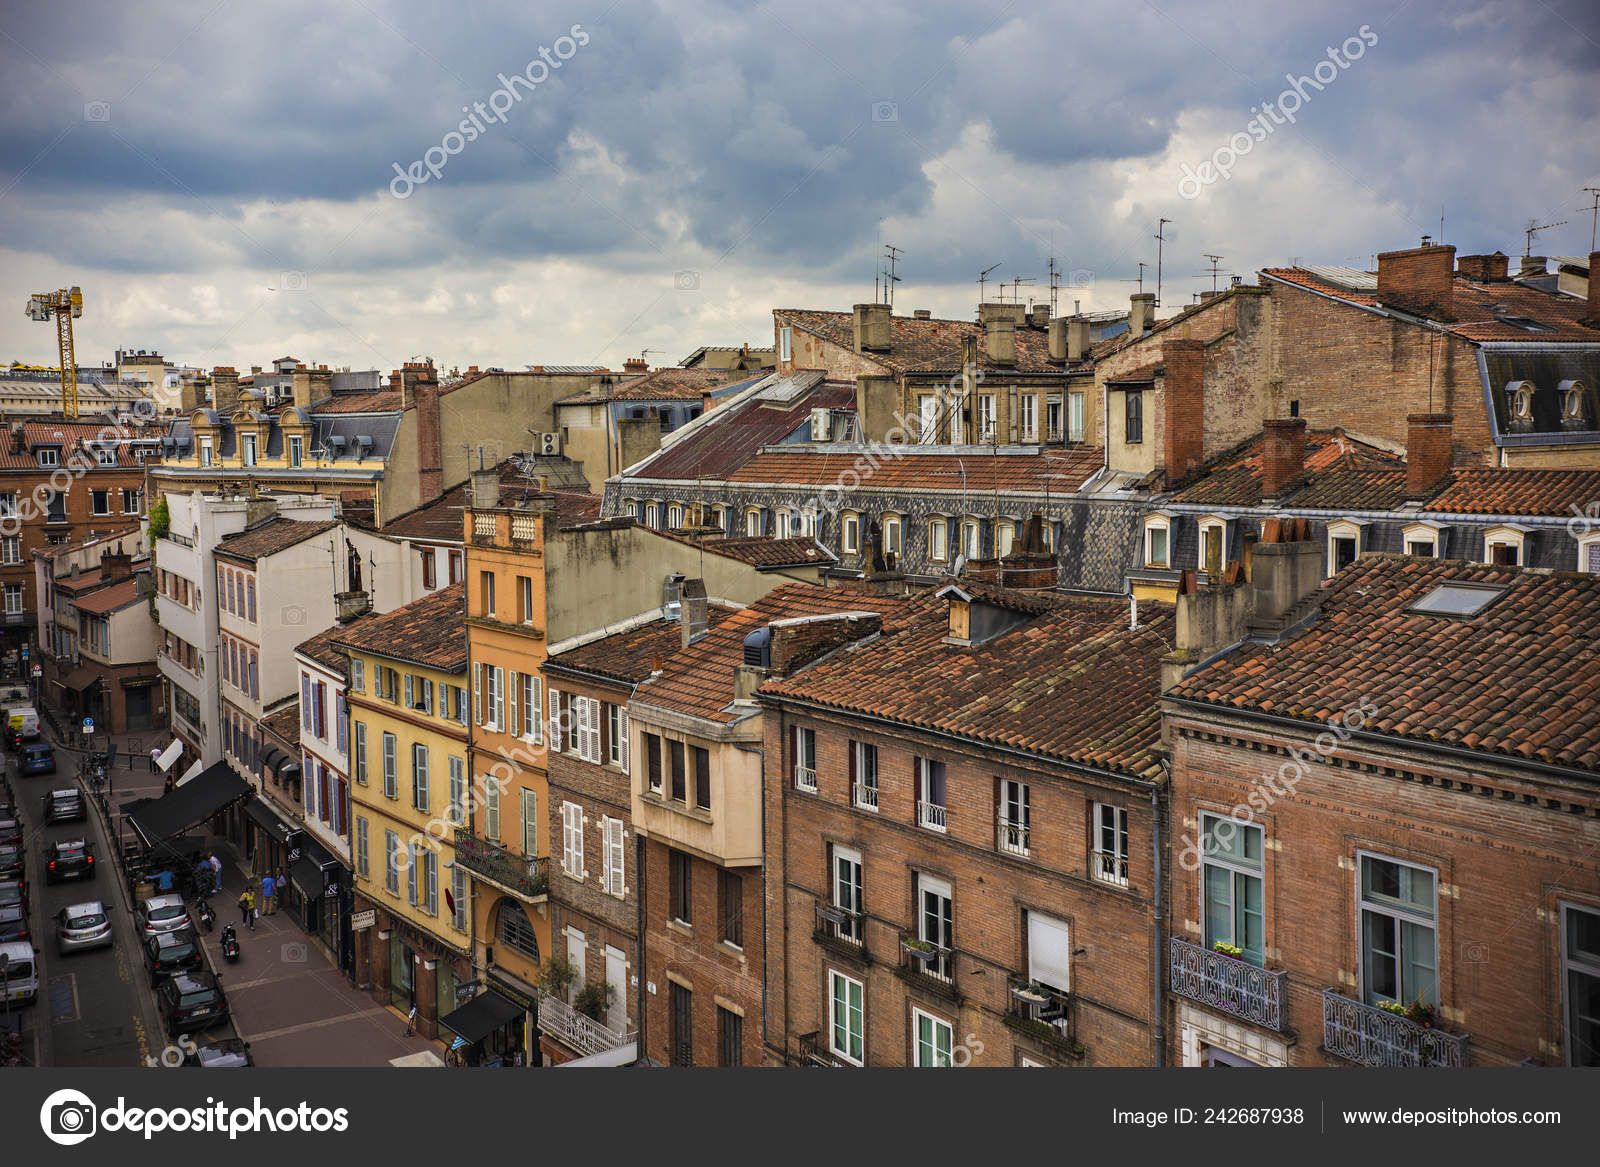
(959, 565)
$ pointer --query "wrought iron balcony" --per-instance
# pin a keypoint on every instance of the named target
(1229, 984)
(1011, 835)
(840, 929)
(932, 815)
(503, 867)
(1370, 1036)
(866, 795)
(814, 1052)
(805, 778)
(578, 1031)
(1045, 1013)
(933, 966)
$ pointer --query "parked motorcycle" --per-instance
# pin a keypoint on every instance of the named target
(230, 943)
(207, 916)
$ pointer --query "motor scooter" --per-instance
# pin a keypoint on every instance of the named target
(230, 943)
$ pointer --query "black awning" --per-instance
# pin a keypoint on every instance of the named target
(481, 1016)
(307, 876)
(269, 820)
(208, 792)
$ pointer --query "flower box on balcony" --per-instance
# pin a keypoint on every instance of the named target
(1030, 994)
(832, 914)
(922, 950)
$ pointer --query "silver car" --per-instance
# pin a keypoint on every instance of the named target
(82, 926)
(162, 914)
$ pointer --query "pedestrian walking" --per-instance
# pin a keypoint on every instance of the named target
(247, 907)
(155, 759)
(269, 889)
(216, 873)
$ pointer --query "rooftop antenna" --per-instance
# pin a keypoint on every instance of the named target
(1016, 288)
(1055, 286)
(1535, 225)
(983, 278)
(892, 254)
(1161, 239)
(1215, 260)
(1595, 212)
(1140, 281)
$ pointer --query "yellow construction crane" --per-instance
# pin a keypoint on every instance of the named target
(65, 305)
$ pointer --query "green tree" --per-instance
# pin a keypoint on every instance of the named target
(160, 519)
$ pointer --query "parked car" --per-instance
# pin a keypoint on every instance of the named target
(22, 974)
(229, 1053)
(191, 1001)
(65, 806)
(162, 914)
(37, 759)
(167, 954)
(14, 924)
(12, 861)
(82, 926)
(13, 892)
(69, 859)
(10, 824)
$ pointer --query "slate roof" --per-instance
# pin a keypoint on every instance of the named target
(1341, 472)
(430, 632)
(276, 534)
(698, 680)
(629, 656)
(1516, 680)
(1072, 683)
(927, 345)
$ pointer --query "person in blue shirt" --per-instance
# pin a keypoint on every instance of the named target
(164, 882)
(269, 890)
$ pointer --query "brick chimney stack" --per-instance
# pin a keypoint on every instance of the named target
(1420, 281)
(1484, 269)
(1283, 457)
(1592, 319)
(302, 387)
(224, 387)
(1183, 415)
(1428, 441)
(423, 390)
(321, 383)
(635, 367)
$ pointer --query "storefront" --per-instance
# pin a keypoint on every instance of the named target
(317, 892)
(267, 837)
(409, 968)
(490, 1028)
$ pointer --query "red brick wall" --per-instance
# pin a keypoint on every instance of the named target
(1183, 407)
(1418, 280)
(1284, 453)
(1427, 451)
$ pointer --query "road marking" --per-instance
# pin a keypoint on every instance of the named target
(63, 999)
(269, 1034)
(235, 986)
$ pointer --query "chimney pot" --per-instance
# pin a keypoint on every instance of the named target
(1141, 312)
(922, 314)
(1484, 269)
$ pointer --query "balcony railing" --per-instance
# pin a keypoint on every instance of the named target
(866, 795)
(805, 778)
(931, 815)
(815, 1052)
(1043, 1012)
(1110, 868)
(578, 1031)
(502, 867)
(1013, 836)
(1226, 983)
(934, 967)
(1370, 1036)
(839, 927)
(524, 527)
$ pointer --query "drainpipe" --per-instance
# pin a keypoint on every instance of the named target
(1155, 854)
(639, 866)
(765, 858)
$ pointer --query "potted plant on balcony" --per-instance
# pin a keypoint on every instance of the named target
(1228, 950)
(919, 949)
(557, 976)
(1030, 993)
(1419, 1012)
(594, 999)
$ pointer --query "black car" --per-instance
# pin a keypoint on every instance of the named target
(14, 924)
(69, 859)
(167, 954)
(10, 825)
(190, 1001)
(12, 861)
(65, 806)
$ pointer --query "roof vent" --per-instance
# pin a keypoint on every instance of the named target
(758, 648)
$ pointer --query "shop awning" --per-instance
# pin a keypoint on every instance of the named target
(202, 796)
(258, 812)
(481, 1016)
(311, 871)
(170, 755)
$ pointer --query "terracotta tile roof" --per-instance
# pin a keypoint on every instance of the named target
(109, 599)
(56, 550)
(67, 435)
(1073, 683)
(629, 656)
(669, 384)
(1518, 679)
(275, 535)
(1519, 492)
(431, 632)
(1142, 375)
(381, 401)
(760, 551)
(1473, 308)
(927, 345)
(285, 724)
(324, 646)
(730, 435)
(575, 507)
(440, 521)
(1062, 471)
(1341, 471)
(698, 680)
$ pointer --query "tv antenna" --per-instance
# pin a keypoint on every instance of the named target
(1055, 286)
(1140, 281)
(891, 255)
(1215, 260)
(1161, 239)
(1595, 212)
(983, 278)
(1533, 226)
(1016, 288)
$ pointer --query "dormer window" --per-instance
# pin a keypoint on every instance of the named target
(1589, 554)
(1158, 541)
(1506, 545)
(1213, 542)
(247, 449)
(850, 533)
(1344, 544)
(205, 451)
(972, 538)
(295, 450)
(938, 539)
(1423, 539)
(1133, 430)
(105, 456)
(49, 456)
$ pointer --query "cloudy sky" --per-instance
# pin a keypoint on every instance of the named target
(223, 179)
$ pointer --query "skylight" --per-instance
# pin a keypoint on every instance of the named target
(1457, 599)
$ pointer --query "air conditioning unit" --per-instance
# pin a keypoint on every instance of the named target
(549, 444)
(821, 425)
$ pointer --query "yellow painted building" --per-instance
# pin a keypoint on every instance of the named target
(410, 791)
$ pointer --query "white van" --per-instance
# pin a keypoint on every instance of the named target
(21, 976)
(26, 719)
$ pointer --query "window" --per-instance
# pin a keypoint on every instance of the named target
(1422, 539)
(864, 775)
(49, 456)
(730, 907)
(494, 679)
(205, 451)
(702, 778)
(250, 598)
(491, 807)
(931, 806)
(1013, 816)
(1005, 537)
(586, 729)
(1399, 946)
(8, 504)
(850, 533)
(1231, 863)
(13, 599)
(516, 932)
(985, 418)
(419, 776)
(682, 1025)
(247, 455)
(680, 791)
(131, 501)
(530, 823)
(674, 517)
(525, 599)
(652, 515)
(1504, 545)
(846, 1017)
(680, 886)
(652, 753)
(362, 868)
(752, 521)
(429, 896)
(972, 538)
(1133, 428)
(938, 539)
(486, 592)
(1028, 416)
(935, 1039)
(532, 708)
(1075, 417)
(1110, 844)
(1580, 981)
(457, 568)
(1589, 554)
(358, 753)
(928, 416)
(786, 343)
(805, 759)
(572, 839)
(1344, 545)
(935, 922)
(430, 578)
(358, 675)
(11, 549)
(100, 502)
(342, 720)
(295, 444)
(391, 852)
(1213, 543)
(1049, 951)
(390, 780)
(893, 543)
(456, 811)
(847, 888)
(730, 1038)
(617, 736)
(614, 877)
(458, 897)
(105, 456)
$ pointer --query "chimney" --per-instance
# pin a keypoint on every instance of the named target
(1483, 269)
(635, 367)
(410, 374)
(707, 402)
(302, 387)
(1077, 338)
(224, 387)
(485, 489)
(1141, 312)
(1040, 316)
(1000, 342)
(321, 383)
(1419, 281)
(115, 563)
(1534, 265)
(802, 639)
(1058, 340)
(921, 314)
(871, 328)
(1183, 402)
(1283, 456)
(1428, 441)
(189, 392)
(430, 444)
(1592, 319)
(694, 616)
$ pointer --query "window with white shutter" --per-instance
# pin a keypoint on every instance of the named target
(513, 695)
(411, 874)
(389, 766)
(617, 727)
(458, 893)
(410, 702)
(615, 871)
(589, 729)
(572, 839)
(555, 720)
(456, 816)
(391, 862)
(532, 708)
(491, 808)
(497, 698)
(530, 823)
(477, 694)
